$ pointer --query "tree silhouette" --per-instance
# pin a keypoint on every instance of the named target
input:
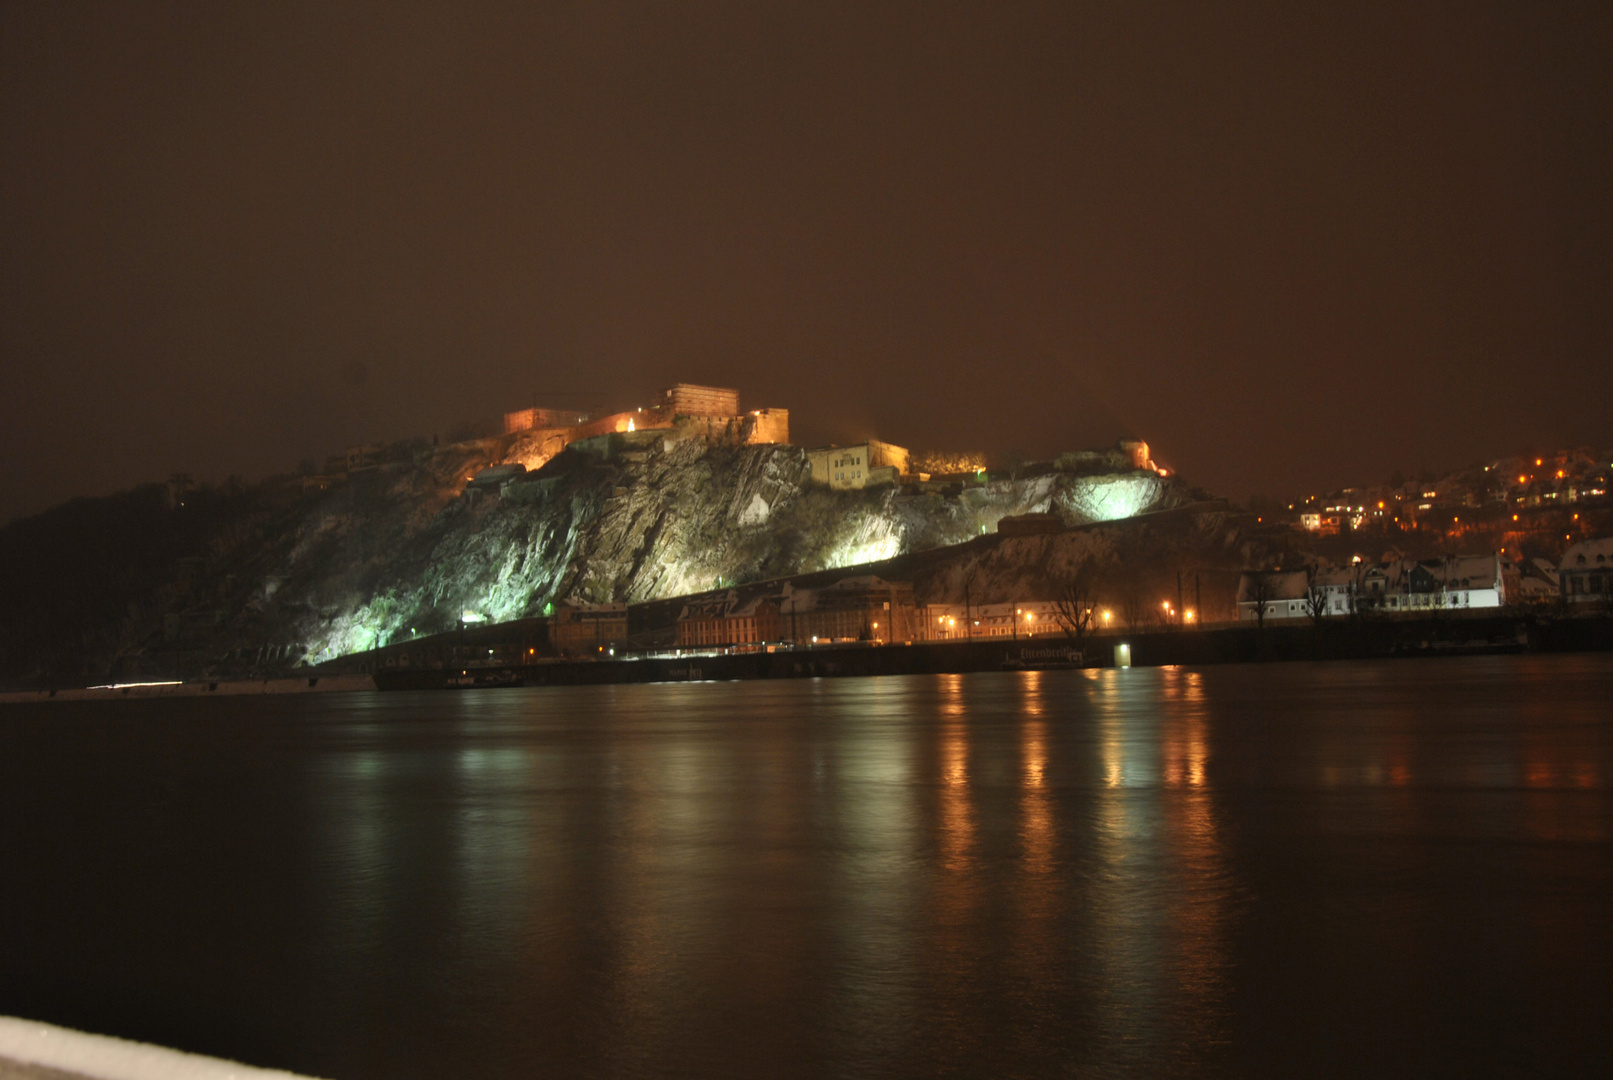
(1261, 591)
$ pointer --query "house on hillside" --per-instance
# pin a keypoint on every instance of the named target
(851, 468)
(1585, 573)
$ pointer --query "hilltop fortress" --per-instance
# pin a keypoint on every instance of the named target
(713, 413)
(714, 410)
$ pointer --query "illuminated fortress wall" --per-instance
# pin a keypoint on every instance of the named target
(687, 399)
(528, 419)
(714, 409)
(768, 426)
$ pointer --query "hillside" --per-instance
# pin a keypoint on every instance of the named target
(297, 571)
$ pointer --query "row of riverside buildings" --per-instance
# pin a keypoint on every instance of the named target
(863, 608)
(1584, 576)
(871, 609)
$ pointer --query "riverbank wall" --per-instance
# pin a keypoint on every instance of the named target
(1242, 644)
(1334, 640)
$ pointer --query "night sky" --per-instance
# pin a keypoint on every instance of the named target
(1293, 246)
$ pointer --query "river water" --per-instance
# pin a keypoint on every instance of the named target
(1390, 869)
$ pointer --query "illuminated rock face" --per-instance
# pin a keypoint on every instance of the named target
(1109, 498)
(655, 517)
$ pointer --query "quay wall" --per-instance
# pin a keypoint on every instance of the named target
(1361, 641)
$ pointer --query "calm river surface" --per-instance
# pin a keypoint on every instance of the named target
(1389, 868)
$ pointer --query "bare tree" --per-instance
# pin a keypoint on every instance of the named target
(968, 607)
(1073, 603)
(1355, 593)
(1261, 591)
(1316, 595)
(1133, 608)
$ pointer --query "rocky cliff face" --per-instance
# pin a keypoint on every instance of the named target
(631, 518)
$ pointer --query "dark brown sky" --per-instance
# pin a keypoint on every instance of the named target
(1291, 245)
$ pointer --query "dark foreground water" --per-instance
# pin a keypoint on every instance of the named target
(1397, 868)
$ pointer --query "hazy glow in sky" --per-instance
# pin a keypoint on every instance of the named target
(1292, 246)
